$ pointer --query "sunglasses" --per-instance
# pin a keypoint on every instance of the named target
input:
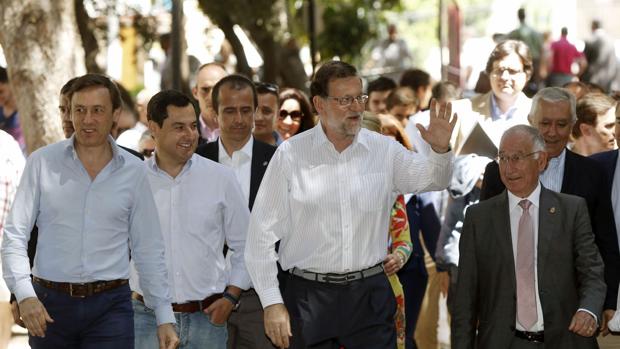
(295, 115)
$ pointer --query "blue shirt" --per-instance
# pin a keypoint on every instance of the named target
(86, 227)
(553, 176)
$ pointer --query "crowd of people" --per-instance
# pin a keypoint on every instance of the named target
(251, 215)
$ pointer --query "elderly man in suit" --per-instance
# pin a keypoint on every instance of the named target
(235, 102)
(553, 114)
(530, 275)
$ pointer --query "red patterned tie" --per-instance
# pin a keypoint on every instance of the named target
(526, 287)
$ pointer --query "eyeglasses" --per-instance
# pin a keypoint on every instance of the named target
(264, 87)
(348, 100)
(295, 115)
(501, 71)
(514, 158)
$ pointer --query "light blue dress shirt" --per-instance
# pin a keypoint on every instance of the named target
(86, 227)
(553, 176)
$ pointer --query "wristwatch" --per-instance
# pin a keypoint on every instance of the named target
(231, 298)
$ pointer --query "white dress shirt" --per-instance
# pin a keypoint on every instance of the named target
(515, 215)
(329, 209)
(553, 176)
(86, 226)
(198, 210)
(241, 163)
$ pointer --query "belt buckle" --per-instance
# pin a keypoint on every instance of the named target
(76, 295)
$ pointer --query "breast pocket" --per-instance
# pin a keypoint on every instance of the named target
(370, 191)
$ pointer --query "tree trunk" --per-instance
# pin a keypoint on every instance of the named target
(89, 41)
(43, 50)
(226, 24)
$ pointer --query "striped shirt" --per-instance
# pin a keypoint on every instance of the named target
(553, 176)
(330, 210)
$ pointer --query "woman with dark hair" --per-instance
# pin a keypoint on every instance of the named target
(295, 114)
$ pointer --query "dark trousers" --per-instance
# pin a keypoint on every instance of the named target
(358, 315)
(101, 321)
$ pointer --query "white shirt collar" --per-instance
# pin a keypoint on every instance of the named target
(320, 138)
(534, 198)
(116, 154)
(151, 163)
(246, 150)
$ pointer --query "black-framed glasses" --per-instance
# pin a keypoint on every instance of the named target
(348, 100)
(295, 115)
(504, 159)
(265, 87)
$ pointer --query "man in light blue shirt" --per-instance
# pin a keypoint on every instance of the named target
(92, 203)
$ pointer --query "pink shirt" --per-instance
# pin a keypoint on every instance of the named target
(207, 133)
(564, 53)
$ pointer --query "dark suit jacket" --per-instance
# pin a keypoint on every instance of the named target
(261, 155)
(608, 161)
(583, 177)
(570, 273)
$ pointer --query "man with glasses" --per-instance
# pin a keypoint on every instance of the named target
(235, 102)
(530, 275)
(326, 198)
(264, 118)
(509, 67)
(553, 114)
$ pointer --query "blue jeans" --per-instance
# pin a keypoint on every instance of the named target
(101, 321)
(195, 330)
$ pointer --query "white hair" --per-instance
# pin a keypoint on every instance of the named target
(554, 95)
(538, 142)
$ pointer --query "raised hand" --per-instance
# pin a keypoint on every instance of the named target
(440, 127)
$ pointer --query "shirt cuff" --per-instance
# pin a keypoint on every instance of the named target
(614, 323)
(239, 280)
(24, 290)
(270, 296)
(164, 314)
(591, 313)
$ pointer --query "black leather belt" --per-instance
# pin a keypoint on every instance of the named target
(340, 279)
(536, 337)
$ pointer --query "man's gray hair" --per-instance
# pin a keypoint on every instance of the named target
(553, 95)
(538, 142)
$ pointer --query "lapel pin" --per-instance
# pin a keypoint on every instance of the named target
(265, 163)
(552, 210)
